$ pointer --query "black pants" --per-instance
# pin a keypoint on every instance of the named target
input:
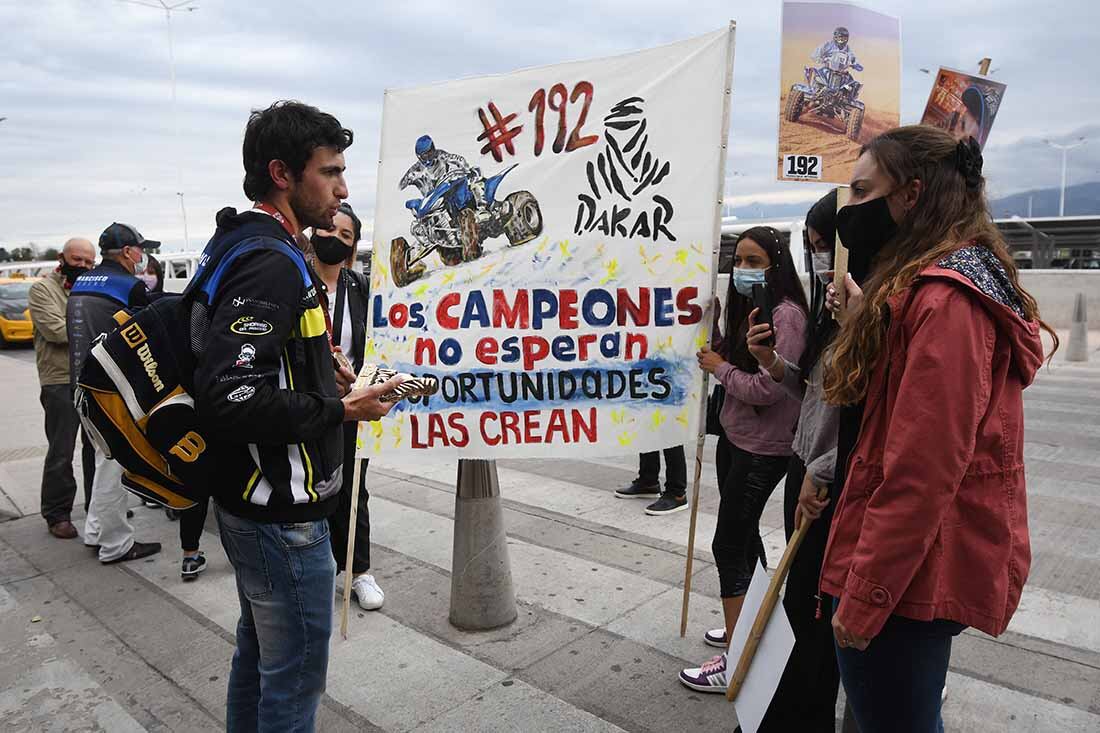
(649, 470)
(191, 523)
(338, 522)
(58, 483)
(87, 466)
(806, 697)
(745, 481)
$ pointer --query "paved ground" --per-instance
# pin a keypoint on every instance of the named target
(596, 646)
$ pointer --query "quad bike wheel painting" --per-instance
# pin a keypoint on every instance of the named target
(459, 211)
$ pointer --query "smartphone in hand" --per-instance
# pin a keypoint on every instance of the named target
(762, 299)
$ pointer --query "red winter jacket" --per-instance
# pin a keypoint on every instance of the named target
(932, 522)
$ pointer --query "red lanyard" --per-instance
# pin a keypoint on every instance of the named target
(276, 215)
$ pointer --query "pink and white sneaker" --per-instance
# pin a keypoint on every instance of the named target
(711, 677)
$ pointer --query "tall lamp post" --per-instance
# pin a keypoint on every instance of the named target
(1065, 149)
(169, 8)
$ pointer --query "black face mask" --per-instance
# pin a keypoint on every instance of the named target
(330, 250)
(72, 272)
(865, 229)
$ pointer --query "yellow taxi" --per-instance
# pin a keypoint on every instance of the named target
(15, 316)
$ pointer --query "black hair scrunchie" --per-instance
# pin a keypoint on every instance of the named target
(968, 161)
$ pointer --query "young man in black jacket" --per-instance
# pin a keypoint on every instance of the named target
(269, 396)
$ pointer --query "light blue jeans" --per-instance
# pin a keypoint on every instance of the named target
(286, 583)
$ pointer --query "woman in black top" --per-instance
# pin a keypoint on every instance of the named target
(346, 295)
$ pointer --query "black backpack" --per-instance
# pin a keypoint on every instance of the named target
(134, 391)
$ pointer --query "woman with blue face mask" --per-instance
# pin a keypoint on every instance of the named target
(758, 419)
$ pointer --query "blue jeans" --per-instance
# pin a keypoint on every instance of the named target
(894, 685)
(286, 584)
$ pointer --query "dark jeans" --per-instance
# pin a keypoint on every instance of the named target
(58, 483)
(286, 582)
(806, 697)
(191, 523)
(87, 465)
(894, 685)
(649, 470)
(745, 481)
(338, 522)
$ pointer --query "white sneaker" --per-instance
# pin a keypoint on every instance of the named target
(367, 591)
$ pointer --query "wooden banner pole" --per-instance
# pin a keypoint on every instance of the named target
(840, 256)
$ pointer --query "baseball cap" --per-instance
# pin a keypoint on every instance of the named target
(117, 236)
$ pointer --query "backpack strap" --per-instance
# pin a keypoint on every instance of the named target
(208, 285)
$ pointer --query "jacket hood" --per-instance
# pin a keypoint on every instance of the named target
(978, 269)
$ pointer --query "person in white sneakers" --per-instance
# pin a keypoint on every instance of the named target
(345, 295)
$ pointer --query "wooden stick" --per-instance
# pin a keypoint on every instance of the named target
(764, 614)
(840, 257)
(699, 445)
(351, 541)
(716, 248)
(983, 66)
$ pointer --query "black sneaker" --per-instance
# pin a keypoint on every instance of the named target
(634, 491)
(667, 504)
(192, 566)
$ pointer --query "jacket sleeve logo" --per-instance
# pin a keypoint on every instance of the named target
(242, 393)
(189, 447)
(249, 326)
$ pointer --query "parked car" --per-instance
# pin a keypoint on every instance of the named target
(15, 316)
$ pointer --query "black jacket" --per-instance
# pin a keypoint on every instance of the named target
(93, 301)
(354, 293)
(265, 386)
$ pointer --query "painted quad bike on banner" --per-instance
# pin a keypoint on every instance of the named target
(460, 213)
(829, 92)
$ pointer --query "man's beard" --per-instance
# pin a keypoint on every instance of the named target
(309, 215)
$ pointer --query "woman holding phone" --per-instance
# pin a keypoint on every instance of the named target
(758, 419)
(930, 532)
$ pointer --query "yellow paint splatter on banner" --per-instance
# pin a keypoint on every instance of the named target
(682, 256)
(618, 416)
(627, 438)
(611, 271)
(682, 418)
(658, 419)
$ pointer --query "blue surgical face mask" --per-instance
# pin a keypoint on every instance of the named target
(744, 278)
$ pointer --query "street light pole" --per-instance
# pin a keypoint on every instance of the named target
(189, 6)
(1065, 150)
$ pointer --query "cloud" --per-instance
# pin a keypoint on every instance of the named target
(90, 134)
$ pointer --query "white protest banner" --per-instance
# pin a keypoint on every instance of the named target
(543, 245)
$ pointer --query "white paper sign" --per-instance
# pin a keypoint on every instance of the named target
(771, 655)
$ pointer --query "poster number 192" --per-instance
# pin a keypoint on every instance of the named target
(802, 167)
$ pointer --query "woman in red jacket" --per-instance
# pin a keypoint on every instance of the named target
(930, 533)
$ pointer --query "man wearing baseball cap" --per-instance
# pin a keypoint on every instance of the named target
(93, 301)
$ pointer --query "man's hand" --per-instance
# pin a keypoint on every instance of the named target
(364, 405)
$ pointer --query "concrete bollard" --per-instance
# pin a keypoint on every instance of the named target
(481, 576)
(1078, 332)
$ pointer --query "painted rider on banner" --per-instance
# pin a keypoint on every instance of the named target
(838, 47)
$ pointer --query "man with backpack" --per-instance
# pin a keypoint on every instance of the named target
(272, 403)
(95, 298)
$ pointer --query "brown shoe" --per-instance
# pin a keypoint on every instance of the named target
(63, 530)
(137, 551)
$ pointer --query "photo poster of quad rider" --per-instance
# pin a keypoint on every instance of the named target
(963, 104)
(840, 86)
(543, 246)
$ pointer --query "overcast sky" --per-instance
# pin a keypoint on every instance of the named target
(88, 137)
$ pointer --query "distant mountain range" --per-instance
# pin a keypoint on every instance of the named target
(1081, 200)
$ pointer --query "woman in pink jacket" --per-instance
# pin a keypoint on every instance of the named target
(758, 418)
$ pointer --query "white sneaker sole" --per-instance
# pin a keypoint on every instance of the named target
(716, 644)
(653, 513)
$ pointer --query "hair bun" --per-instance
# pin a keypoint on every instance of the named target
(968, 161)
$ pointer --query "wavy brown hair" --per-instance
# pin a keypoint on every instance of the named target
(951, 211)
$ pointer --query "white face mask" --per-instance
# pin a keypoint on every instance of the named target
(149, 280)
(141, 265)
(823, 265)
